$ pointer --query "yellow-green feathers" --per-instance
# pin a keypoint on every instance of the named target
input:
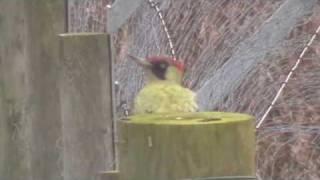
(165, 97)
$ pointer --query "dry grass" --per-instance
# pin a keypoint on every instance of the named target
(206, 33)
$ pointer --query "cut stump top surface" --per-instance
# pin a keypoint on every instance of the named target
(198, 118)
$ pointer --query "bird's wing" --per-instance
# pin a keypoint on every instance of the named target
(149, 99)
(161, 98)
(181, 99)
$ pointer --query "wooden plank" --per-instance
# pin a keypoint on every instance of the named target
(86, 105)
(120, 12)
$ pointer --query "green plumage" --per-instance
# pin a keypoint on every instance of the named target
(165, 97)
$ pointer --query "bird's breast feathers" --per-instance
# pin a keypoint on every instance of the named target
(165, 98)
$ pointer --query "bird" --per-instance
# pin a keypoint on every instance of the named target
(163, 92)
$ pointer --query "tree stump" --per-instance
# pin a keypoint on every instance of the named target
(186, 146)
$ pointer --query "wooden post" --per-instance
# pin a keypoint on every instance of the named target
(31, 113)
(45, 20)
(86, 105)
(186, 146)
(14, 131)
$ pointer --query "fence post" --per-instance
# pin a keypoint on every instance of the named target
(14, 156)
(86, 105)
(28, 58)
(45, 20)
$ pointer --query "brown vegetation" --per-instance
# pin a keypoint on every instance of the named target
(206, 34)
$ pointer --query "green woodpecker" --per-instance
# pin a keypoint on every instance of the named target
(163, 92)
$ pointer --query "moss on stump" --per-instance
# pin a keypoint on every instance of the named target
(188, 145)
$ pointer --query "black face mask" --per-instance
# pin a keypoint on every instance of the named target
(159, 69)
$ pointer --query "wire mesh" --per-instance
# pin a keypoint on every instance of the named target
(206, 34)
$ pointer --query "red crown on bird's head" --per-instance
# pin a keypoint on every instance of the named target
(178, 64)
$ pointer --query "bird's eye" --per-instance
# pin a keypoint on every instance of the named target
(163, 66)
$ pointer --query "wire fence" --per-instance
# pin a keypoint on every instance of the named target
(206, 34)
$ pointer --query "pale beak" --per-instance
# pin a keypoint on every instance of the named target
(141, 61)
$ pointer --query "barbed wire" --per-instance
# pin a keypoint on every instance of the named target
(283, 85)
(155, 5)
